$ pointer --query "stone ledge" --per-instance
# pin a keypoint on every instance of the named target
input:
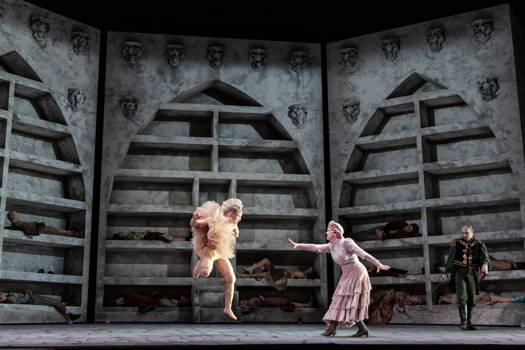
(43, 239)
(147, 245)
(148, 281)
(391, 244)
(410, 279)
(495, 236)
(39, 127)
(194, 107)
(21, 276)
(381, 175)
(465, 165)
(259, 146)
(473, 201)
(303, 283)
(381, 209)
(160, 176)
(44, 165)
(34, 200)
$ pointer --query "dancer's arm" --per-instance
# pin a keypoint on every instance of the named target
(316, 248)
(352, 247)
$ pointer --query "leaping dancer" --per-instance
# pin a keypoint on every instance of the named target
(215, 231)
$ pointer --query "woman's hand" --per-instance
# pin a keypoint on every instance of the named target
(382, 267)
(293, 243)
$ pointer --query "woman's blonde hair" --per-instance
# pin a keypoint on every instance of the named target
(336, 228)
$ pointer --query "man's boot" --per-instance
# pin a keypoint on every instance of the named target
(331, 330)
(470, 327)
(462, 308)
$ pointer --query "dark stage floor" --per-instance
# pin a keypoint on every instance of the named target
(195, 336)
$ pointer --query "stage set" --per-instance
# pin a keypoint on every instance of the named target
(166, 190)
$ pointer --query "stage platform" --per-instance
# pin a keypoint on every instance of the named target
(242, 336)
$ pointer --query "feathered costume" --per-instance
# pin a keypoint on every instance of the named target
(214, 237)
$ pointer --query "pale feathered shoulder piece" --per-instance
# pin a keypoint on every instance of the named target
(232, 202)
(209, 208)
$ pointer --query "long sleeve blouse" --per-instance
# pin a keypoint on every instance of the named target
(343, 250)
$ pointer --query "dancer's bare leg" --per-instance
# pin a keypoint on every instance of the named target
(203, 267)
(226, 270)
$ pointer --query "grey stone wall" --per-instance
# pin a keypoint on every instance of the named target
(48, 154)
(427, 144)
(208, 133)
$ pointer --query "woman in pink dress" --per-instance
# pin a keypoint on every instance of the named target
(352, 296)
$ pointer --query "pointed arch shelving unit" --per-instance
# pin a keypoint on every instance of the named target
(425, 156)
(42, 180)
(211, 142)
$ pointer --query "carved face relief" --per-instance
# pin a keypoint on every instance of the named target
(258, 57)
(482, 28)
(348, 57)
(435, 38)
(80, 41)
(175, 54)
(75, 98)
(39, 27)
(131, 51)
(488, 88)
(298, 60)
(215, 56)
(351, 111)
(129, 106)
(391, 47)
(297, 113)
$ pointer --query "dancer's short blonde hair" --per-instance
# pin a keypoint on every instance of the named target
(336, 228)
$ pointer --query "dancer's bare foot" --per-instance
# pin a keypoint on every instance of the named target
(229, 312)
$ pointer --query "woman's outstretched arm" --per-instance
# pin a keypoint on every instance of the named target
(316, 248)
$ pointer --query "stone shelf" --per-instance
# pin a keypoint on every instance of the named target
(498, 236)
(43, 239)
(33, 277)
(24, 314)
(178, 142)
(381, 175)
(43, 165)
(390, 244)
(473, 201)
(130, 245)
(493, 275)
(466, 165)
(431, 98)
(301, 283)
(35, 200)
(4, 114)
(380, 209)
(193, 107)
(287, 213)
(162, 176)
(377, 142)
(160, 314)
(148, 281)
(453, 131)
(410, 279)
(260, 146)
(260, 246)
(149, 210)
(25, 83)
(39, 201)
(264, 314)
(39, 127)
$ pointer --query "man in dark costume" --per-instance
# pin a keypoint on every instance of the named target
(466, 259)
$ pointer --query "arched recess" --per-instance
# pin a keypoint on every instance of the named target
(43, 181)
(426, 157)
(210, 142)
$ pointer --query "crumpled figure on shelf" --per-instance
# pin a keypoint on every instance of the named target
(276, 277)
(397, 229)
(145, 303)
(253, 303)
(147, 236)
(33, 228)
(393, 272)
(483, 298)
(215, 232)
(384, 301)
(33, 299)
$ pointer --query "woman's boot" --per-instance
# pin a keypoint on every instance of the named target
(362, 332)
(331, 330)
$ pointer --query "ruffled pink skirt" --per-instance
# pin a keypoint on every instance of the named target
(351, 297)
